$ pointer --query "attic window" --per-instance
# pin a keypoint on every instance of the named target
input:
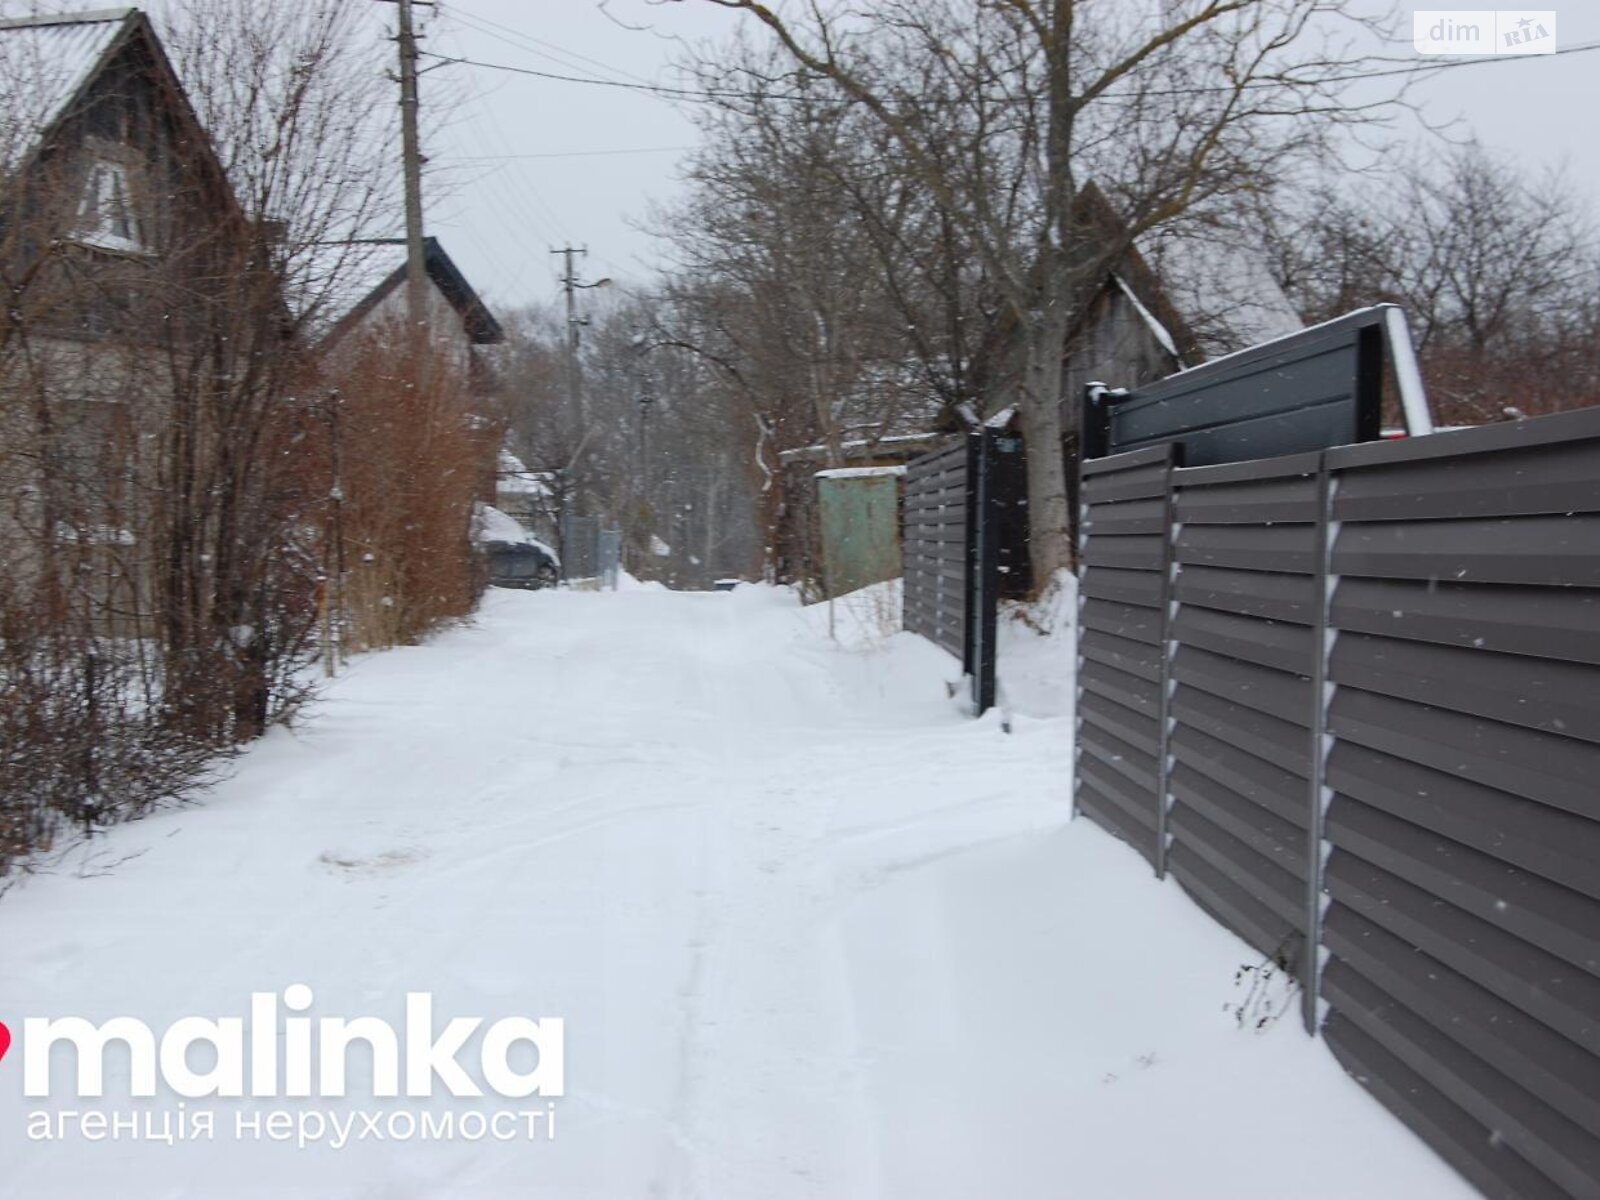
(106, 217)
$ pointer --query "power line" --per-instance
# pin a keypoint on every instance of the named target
(511, 208)
(711, 94)
(570, 154)
(526, 41)
(490, 135)
(656, 88)
(590, 74)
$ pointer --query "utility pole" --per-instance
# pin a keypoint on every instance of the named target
(571, 286)
(411, 152)
(646, 399)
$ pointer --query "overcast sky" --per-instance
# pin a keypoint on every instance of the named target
(530, 164)
(535, 164)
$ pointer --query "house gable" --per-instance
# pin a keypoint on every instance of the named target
(108, 157)
(384, 279)
(1166, 301)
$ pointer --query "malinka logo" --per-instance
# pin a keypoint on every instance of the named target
(314, 1053)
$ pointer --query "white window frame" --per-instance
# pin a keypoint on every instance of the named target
(108, 217)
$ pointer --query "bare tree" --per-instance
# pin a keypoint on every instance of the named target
(294, 98)
(161, 439)
(1498, 272)
(1004, 111)
(288, 95)
(662, 445)
(828, 300)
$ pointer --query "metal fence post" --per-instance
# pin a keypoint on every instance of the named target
(969, 583)
(1169, 611)
(1321, 743)
(1082, 548)
(985, 561)
(567, 547)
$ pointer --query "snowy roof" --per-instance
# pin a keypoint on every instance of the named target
(512, 476)
(44, 63)
(370, 266)
(895, 445)
(489, 524)
(1161, 332)
(861, 472)
(1223, 290)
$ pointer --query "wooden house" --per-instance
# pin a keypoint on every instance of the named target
(121, 241)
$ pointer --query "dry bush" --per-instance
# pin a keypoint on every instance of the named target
(413, 457)
(84, 739)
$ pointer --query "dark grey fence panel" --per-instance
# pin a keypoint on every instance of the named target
(580, 547)
(965, 547)
(1243, 656)
(1463, 918)
(1375, 680)
(1122, 628)
(935, 517)
(1320, 387)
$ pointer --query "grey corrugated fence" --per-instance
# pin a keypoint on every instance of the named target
(1351, 701)
(590, 554)
(966, 546)
(937, 504)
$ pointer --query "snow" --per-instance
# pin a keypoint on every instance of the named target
(659, 548)
(43, 63)
(489, 524)
(94, 535)
(1221, 284)
(492, 525)
(362, 269)
(860, 472)
(857, 444)
(513, 477)
(814, 933)
(1161, 332)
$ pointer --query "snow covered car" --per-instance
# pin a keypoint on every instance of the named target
(521, 565)
(516, 558)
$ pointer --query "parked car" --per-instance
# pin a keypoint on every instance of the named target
(516, 558)
(528, 565)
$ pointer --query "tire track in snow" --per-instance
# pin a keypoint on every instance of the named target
(766, 1043)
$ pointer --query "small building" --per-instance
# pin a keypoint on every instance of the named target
(531, 498)
(372, 300)
(859, 523)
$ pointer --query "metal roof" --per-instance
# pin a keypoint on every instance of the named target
(370, 270)
(1221, 285)
(44, 63)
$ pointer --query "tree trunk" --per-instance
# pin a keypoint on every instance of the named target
(1050, 519)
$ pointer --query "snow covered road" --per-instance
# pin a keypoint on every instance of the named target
(813, 934)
